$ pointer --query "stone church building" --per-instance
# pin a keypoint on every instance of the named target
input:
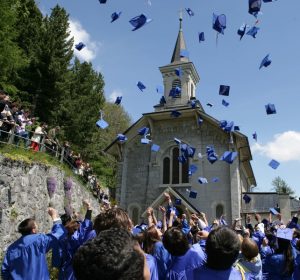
(144, 175)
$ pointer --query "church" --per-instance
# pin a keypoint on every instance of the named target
(178, 148)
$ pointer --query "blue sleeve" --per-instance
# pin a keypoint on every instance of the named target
(83, 233)
(5, 274)
(50, 240)
(265, 251)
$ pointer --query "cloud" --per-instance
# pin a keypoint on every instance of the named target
(284, 147)
(81, 35)
(115, 93)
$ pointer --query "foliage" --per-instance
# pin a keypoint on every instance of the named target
(281, 187)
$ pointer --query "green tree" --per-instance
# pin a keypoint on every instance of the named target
(280, 186)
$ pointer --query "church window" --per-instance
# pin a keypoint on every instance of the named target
(166, 171)
(175, 165)
(219, 211)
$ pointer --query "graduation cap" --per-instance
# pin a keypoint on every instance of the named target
(193, 194)
(143, 131)
(162, 100)
(192, 169)
(190, 12)
(182, 159)
(253, 31)
(175, 92)
(209, 104)
(202, 180)
(177, 141)
(187, 150)
(102, 124)
(179, 72)
(141, 86)
(285, 233)
(184, 53)
(229, 156)
(193, 104)
(79, 46)
(139, 21)
(270, 109)
(236, 128)
(254, 7)
(274, 164)
(177, 201)
(267, 1)
(211, 155)
(274, 211)
(175, 114)
(254, 136)
(219, 23)
(227, 125)
(246, 198)
(160, 89)
(145, 140)
(155, 148)
(121, 138)
(224, 90)
(118, 100)
(242, 30)
(102, 1)
(201, 37)
(200, 120)
(225, 103)
(265, 62)
(115, 16)
(215, 180)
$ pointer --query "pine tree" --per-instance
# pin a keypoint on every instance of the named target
(281, 187)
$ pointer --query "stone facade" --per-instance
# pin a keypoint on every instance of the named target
(24, 194)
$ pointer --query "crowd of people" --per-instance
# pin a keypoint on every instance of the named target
(179, 246)
(17, 125)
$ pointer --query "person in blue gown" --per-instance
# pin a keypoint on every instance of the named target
(25, 259)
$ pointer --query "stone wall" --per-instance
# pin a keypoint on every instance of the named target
(24, 193)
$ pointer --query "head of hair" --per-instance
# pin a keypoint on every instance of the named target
(112, 218)
(222, 248)
(26, 226)
(249, 248)
(285, 248)
(65, 218)
(175, 241)
(150, 237)
(111, 255)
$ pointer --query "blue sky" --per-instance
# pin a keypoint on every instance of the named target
(125, 57)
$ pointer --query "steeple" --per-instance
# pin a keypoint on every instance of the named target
(180, 45)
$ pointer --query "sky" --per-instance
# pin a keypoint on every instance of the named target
(125, 57)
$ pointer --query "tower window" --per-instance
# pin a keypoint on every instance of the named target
(176, 88)
(219, 211)
(166, 171)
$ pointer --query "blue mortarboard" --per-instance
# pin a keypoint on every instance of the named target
(202, 180)
(193, 104)
(145, 140)
(215, 180)
(175, 114)
(190, 12)
(184, 53)
(267, 1)
(162, 100)
(192, 169)
(274, 163)
(254, 136)
(187, 150)
(79, 46)
(201, 37)
(121, 138)
(227, 125)
(155, 148)
(139, 21)
(141, 86)
(219, 23)
(270, 109)
(115, 16)
(229, 156)
(211, 154)
(177, 201)
(254, 7)
(102, 124)
(179, 72)
(102, 1)
(182, 159)
(193, 194)
(118, 100)
(224, 90)
(242, 30)
(225, 103)
(253, 31)
(160, 89)
(209, 104)
(265, 62)
(246, 198)
(178, 141)
(200, 120)
(236, 128)
(175, 92)
(274, 211)
(143, 131)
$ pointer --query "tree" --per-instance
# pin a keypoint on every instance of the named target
(281, 187)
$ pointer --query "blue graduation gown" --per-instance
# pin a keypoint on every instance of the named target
(163, 259)
(152, 265)
(25, 259)
(181, 268)
(206, 273)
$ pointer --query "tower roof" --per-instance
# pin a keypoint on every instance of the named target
(179, 46)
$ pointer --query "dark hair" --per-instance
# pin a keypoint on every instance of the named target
(111, 255)
(26, 226)
(112, 218)
(175, 241)
(285, 248)
(249, 248)
(222, 248)
(150, 237)
(65, 218)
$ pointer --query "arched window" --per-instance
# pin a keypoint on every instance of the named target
(176, 83)
(135, 215)
(175, 166)
(166, 170)
(219, 210)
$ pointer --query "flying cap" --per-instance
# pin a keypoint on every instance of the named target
(225, 103)
(274, 164)
(270, 109)
(182, 159)
(236, 128)
(201, 37)
(190, 12)
(175, 114)
(102, 124)
(215, 180)
(102, 1)
(145, 140)
(141, 86)
(192, 169)
(178, 141)
(254, 7)
(155, 148)
(202, 180)
(187, 150)
(79, 46)
(139, 21)
(177, 201)
(229, 156)
(227, 125)
(175, 92)
(274, 211)
(118, 100)
(162, 100)
(211, 155)
(209, 104)
(121, 138)
(265, 62)
(219, 23)
(254, 136)
(193, 194)
(224, 90)
(253, 31)
(242, 30)
(246, 198)
(115, 16)
(179, 72)
(193, 104)
(143, 131)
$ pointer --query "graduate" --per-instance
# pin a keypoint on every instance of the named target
(26, 257)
